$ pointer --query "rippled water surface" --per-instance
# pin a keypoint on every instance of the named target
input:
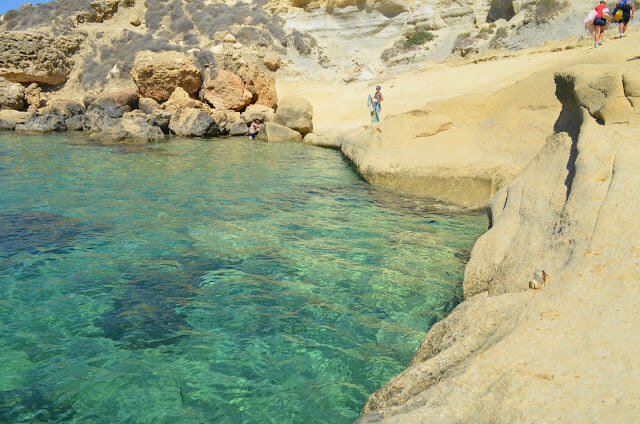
(216, 281)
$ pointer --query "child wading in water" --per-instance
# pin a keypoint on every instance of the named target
(254, 129)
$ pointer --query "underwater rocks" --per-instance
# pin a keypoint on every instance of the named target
(36, 232)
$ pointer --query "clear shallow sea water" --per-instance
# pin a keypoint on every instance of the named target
(213, 281)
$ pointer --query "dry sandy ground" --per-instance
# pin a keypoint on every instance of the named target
(341, 107)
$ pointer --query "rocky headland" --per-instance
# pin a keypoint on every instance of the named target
(498, 104)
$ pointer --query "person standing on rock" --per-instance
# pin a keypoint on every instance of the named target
(600, 22)
(628, 8)
(377, 99)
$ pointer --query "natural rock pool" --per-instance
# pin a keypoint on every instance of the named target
(210, 281)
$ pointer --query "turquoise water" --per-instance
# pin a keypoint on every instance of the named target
(216, 281)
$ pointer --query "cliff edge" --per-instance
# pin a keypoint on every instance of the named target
(528, 346)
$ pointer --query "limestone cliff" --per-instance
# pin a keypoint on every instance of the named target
(565, 352)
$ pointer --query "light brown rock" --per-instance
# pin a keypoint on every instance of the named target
(272, 62)
(261, 85)
(258, 112)
(33, 95)
(272, 132)
(561, 354)
(180, 99)
(158, 74)
(295, 113)
(29, 57)
(12, 95)
(225, 90)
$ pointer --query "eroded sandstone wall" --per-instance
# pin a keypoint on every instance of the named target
(565, 352)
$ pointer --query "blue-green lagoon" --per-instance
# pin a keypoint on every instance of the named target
(210, 281)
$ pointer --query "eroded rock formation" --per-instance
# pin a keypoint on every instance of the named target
(564, 352)
(30, 57)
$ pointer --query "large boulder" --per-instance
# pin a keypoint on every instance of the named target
(260, 113)
(11, 95)
(295, 113)
(132, 128)
(180, 99)
(225, 90)
(9, 118)
(29, 57)
(272, 132)
(261, 85)
(238, 128)
(158, 74)
(193, 122)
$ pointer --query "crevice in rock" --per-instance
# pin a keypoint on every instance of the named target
(604, 198)
(501, 9)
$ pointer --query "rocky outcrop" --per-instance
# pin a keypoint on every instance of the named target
(560, 353)
(11, 95)
(132, 128)
(295, 113)
(30, 57)
(225, 90)
(261, 85)
(158, 74)
(45, 121)
(101, 10)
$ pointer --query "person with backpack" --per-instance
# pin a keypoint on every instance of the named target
(628, 8)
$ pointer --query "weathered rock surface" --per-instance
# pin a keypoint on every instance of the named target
(132, 128)
(193, 122)
(101, 10)
(563, 353)
(180, 99)
(225, 90)
(30, 57)
(45, 121)
(158, 74)
(379, 154)
(261, 85)
(295, 113)
(11, 95)
(238, 128)
(258, 112)
(323, 141)
(9, 118)
(33, 96)
(272, 132)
